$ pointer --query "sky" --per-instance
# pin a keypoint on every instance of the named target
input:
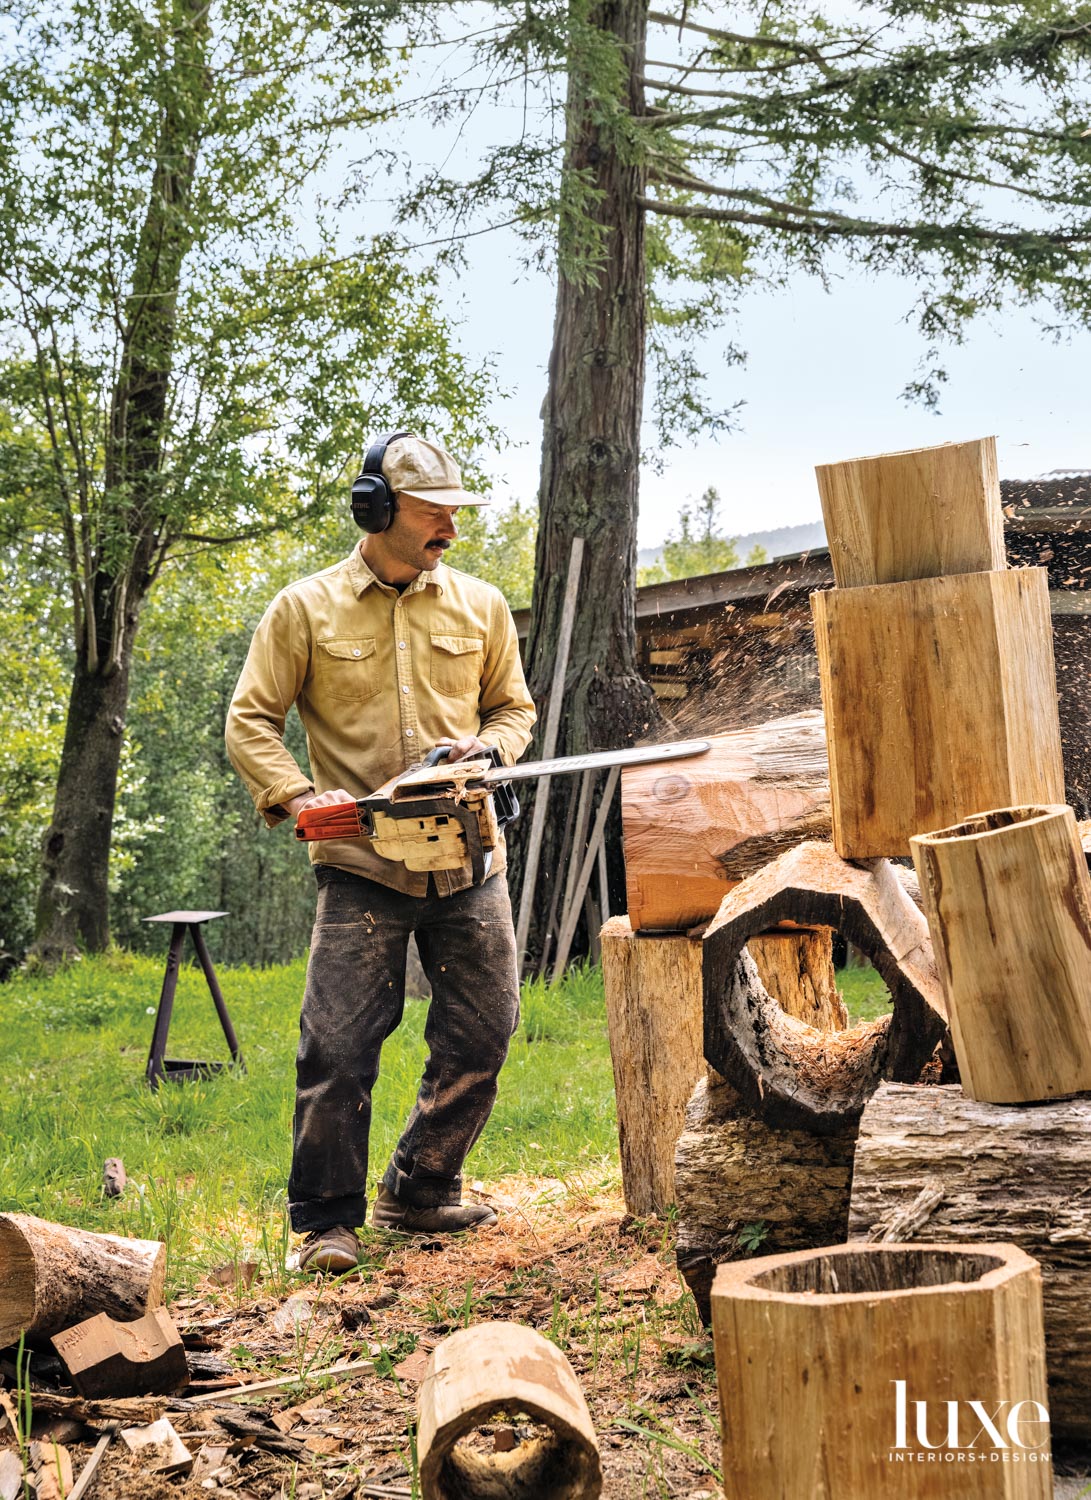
(822, 380)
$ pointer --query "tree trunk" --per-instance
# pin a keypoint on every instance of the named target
(591, 449)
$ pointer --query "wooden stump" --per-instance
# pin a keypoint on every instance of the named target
(52, 1276)
(796, 969)
(924, 513)
(936, 1166)
(940, 700)
(792, 1075)
(735, 1175)
(1008, 901)
(696, 827)
(824, 1358)
(495, 1368)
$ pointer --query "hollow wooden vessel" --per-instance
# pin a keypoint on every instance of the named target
(52, 1276)
(923, 513)
(823, 1358)
(940, 700)
(1008, 901)
(493, 1369)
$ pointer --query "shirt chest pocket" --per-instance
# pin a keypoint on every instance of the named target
(457, 664)
(347, 668)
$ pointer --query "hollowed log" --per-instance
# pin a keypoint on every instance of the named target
(823, 1357)
(792, 1075)
(504, 1368)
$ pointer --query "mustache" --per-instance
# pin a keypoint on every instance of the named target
(439, 541)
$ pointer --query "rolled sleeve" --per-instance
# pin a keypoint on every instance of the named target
(506, 707)
(271, 681)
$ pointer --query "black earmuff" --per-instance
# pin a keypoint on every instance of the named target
(372, 498)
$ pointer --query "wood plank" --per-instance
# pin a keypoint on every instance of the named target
(923, 513)
(940, 700)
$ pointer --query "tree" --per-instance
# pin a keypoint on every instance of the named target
(699, 547)
(946, 141)
(196, 346)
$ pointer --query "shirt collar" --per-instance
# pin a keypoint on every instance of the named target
(362, 577)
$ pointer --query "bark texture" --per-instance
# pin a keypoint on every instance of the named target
(591, 454)
(935, 1166)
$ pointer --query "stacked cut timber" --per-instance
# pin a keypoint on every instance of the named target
(932, 1166)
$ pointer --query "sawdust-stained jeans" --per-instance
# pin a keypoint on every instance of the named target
(354, 999)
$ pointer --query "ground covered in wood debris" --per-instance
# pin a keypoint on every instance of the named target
(563, 1260)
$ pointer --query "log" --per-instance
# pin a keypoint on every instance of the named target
(495, 1368)
(52, 1276)
(654, 1003)
(693, 830)
(1017, 1173)
(734, 1173)
(924, 513)
(792, 1075)
(1008, 901)
(143, 1358)
(849, 1372)
(940, 699)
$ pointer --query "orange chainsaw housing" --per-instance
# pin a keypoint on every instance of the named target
(340, 820)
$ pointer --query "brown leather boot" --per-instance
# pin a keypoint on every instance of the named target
(336, 1249)
(448, 1218)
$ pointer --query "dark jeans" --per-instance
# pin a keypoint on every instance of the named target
(354, 999)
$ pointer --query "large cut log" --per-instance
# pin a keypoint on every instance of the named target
(654, 1008)
(739, 1182)
(935, 1166)
(52, 1276)
(788, 1073)
(859, 1371)
(923, 513)
(496, 1369)
(940, 700)
(1008, 901)
(692, 830)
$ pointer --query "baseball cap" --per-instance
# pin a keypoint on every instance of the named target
(423, 470)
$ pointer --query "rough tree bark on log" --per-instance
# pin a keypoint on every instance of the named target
(52, 1276)
(792, 1075)
(936, 1166)
(694, 829)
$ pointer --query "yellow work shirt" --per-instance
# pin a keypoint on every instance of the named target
(378, 677)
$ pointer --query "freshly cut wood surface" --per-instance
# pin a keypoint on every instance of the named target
(1008, 901)
(504, 1367)
(694, 828)
(922, 513)
(142, 1358)
(52, 1276)
(733, 1171)
(790, 1074)
(810, 1350)
(940, 700)
(991, 1171)
(654, 1016)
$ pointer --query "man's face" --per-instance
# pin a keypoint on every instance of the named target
(420, 533)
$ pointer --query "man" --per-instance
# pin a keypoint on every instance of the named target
(387, 654)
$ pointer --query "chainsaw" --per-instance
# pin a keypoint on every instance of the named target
(441, 813)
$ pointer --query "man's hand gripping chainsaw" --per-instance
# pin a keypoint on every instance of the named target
(443, 813)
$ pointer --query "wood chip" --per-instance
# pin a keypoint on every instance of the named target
(236, 1275)
(159, 1443)
(11, 1475)
(322, 1442)
(52, 1465)
(210, 1457)
(414, 1367)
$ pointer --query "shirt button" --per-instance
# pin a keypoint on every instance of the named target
(409, 734)
(356, 651)
(405, 690)
(401, 645)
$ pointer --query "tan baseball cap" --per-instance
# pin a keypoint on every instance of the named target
(414, 467)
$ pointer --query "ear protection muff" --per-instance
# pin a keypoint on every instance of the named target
(372, 498)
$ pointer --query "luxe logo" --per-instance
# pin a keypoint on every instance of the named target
(1012, 1431)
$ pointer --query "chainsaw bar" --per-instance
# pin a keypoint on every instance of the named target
(566, 765)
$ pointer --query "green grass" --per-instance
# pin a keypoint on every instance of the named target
(209, 1159)
(865, 995)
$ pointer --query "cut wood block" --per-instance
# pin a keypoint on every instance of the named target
(692, 830)
(52, 1276)
(959, 1170)
(1008, 901)
(924, 513)
(490, 1369)
(52, 1466)
(142, 1358)
(790, 1074)
(824, 1356)
(940, 700)
(159, 1447)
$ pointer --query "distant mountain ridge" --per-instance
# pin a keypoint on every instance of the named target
(781, 542)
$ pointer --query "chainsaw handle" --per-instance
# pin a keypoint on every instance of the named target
(437, 755)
